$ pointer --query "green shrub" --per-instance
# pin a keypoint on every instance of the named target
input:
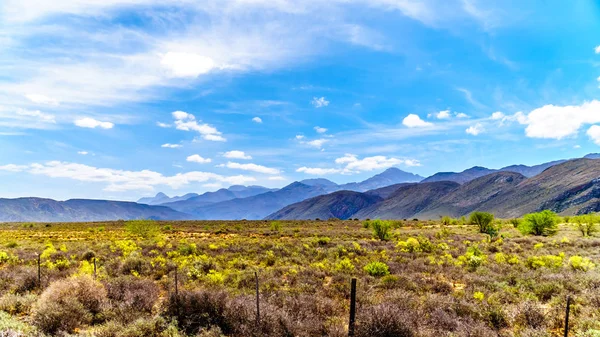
(587, 224)
(146, 229)
(381, 229)
(588, 333)
(580, 263)
(69, 303)
(411, 245)
(542, 223)
(473, 258)
(275, 226)
(482, 220)
(377, 269)
(345, 266)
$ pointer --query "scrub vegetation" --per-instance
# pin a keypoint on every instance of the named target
(476, 276)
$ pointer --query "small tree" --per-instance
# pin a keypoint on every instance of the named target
(482, 220)
(541, 223)
(587, 224)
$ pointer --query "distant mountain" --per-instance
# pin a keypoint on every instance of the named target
(48, 210)
(158, 199)
(327, 184)
(385, 192)
(341, 205)
(193, 200)
(460, 177)
(530, 171)
(388, 177)
(257, 206)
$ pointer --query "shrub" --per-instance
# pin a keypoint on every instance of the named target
(478, 295)
(69, 303)
(377, 269)
(146, 229)
(542, 223)
(345, 266)
(381, 229)
(411, 245)
(580, 263)
(195, 310)
(482, 220)
(386, 320)
(130, 296)
(275, 226)
(587, 224)
(17, 304)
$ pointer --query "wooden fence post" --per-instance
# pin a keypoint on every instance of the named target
(94, 267)
(567, 316)
(39, 263)
(257, 300)
(352, 321)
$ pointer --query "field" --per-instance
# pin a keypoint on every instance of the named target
(424, 279)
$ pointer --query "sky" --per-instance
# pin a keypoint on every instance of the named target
(119, 99)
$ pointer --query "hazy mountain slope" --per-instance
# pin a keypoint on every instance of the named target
(341, 205)
(48, 210)
(385, 192)
(388, 177)
(159, 198)
(258, 206)
(319, 182)
(460, 177)
(530, 171)
(471, 195)
(223, 194)
(408, 200)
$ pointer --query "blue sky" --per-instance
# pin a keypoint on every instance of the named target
(125, 98)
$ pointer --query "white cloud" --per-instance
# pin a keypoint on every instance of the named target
(195, 158)
(319, 102)
(318, 171)
(171, 146)
(163, 125)
(353, 164)
(461, 115)
(597, 49)
(558, 122)
(41, 99)
(299, 137)
(594, 133)
(236, 155)
(38, 115)
(120, 180)
(187, 64)
(257, 120)
(475, 129)
(276, 178)
(92, 123)
(317, 143)
(83, 153)
(251, 167)
(577, 146)
(498, 115)
(444, 114)
(414, 121)
(13, 168)
(320, 129)
(187, 122)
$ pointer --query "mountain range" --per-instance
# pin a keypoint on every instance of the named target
(566, 186)
(570, 187)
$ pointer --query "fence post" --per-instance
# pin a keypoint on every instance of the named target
(176, 285)
(257, 300)
(94, 267)
(567, 316)
(352, 321)
(39, 263)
